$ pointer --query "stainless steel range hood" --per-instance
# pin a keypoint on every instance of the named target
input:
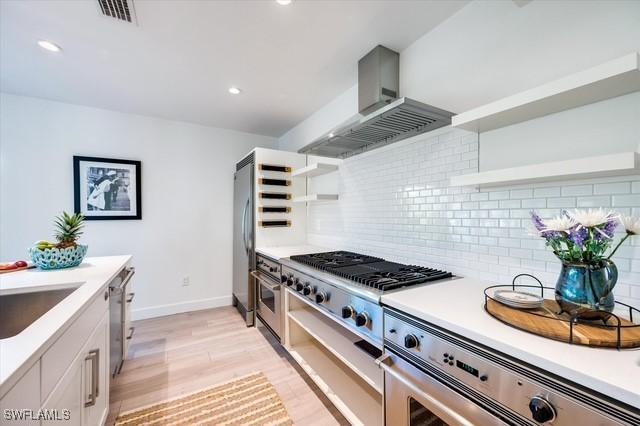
(384, 118)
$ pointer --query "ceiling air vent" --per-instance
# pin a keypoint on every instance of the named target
(118, 9)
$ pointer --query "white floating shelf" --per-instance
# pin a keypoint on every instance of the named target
(340, 343)
(614, 78)
(315, 197)
(625, 163)
(315, 169)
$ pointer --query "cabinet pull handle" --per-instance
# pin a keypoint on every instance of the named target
(130, 299)
(94, 357)
(131, 330)
(130, 273)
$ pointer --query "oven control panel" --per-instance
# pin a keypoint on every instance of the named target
(475, 370)
(360, 314)
(268, 266)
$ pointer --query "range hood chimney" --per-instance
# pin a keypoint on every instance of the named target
(378, 79)
(384, 117)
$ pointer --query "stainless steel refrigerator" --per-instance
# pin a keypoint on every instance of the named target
(243, 239)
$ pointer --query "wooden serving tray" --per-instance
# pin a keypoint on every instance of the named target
(545, 321)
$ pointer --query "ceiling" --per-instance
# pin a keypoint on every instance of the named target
(182, 57)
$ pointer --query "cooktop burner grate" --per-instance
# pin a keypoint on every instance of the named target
(371, 271)
(334, 259)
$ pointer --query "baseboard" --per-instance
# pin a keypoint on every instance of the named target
(180, 307)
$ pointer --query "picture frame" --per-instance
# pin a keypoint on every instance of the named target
(107, 188)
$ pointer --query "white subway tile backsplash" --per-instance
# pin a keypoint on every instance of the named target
(534, 204)
(574, 190)
(499, 195)
(521, 193)
(564, 202)
(546, 192)
(489, 204)
(510, 204)
(626, 200)
(612, 188)
(397, 203)
(479, 196)
(597, 201)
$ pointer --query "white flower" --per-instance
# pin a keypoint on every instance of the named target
(592, 217)
(559, 224)
(631, 224)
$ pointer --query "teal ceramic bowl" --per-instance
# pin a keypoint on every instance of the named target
(55, 258)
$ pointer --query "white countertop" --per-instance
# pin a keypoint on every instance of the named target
(457, 306)
(277, 253)
(19, 352)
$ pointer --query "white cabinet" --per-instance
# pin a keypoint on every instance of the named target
(24, 395)
(66, 397)
(83, 389)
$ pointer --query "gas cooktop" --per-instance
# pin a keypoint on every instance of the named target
(370, 271)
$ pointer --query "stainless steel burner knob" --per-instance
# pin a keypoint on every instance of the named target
(299, 285)
(348, 311)
(321, 297)
(410, 341)
(362, 319)
(541, 410)
(306, 290)
(283, 278)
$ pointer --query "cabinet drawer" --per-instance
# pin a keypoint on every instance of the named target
(59, 356)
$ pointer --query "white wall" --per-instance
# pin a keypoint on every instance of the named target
(187, 194)
(491, 49)
(322, 121)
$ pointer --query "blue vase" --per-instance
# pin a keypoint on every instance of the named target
(584, 288)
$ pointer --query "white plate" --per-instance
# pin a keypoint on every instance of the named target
(518, 299)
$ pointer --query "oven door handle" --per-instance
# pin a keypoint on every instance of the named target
(265, 281)
(384, 363)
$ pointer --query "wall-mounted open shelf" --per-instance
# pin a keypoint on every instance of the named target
(315, 169)
(315, 197)
(614, 78)
(626, 163)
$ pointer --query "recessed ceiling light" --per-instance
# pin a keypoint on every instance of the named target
(234, 90)
(283, 2)
(48, 45)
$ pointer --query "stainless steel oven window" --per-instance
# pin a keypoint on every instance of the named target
(268, 297)
(419, 415)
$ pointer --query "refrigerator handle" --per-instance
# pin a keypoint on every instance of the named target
(244, 227)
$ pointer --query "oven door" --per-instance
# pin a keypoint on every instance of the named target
(415, 398)
(269, 302)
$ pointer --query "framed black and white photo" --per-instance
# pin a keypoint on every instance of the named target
(107, 188)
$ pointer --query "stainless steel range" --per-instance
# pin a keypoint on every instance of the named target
(435, 377)
(348, 285)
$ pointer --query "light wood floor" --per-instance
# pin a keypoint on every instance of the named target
(183, 353)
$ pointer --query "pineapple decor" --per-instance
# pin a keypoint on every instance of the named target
(66, 252)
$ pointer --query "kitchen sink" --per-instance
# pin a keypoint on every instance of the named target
(18, 311)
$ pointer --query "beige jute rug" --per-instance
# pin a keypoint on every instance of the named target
(248, 400)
